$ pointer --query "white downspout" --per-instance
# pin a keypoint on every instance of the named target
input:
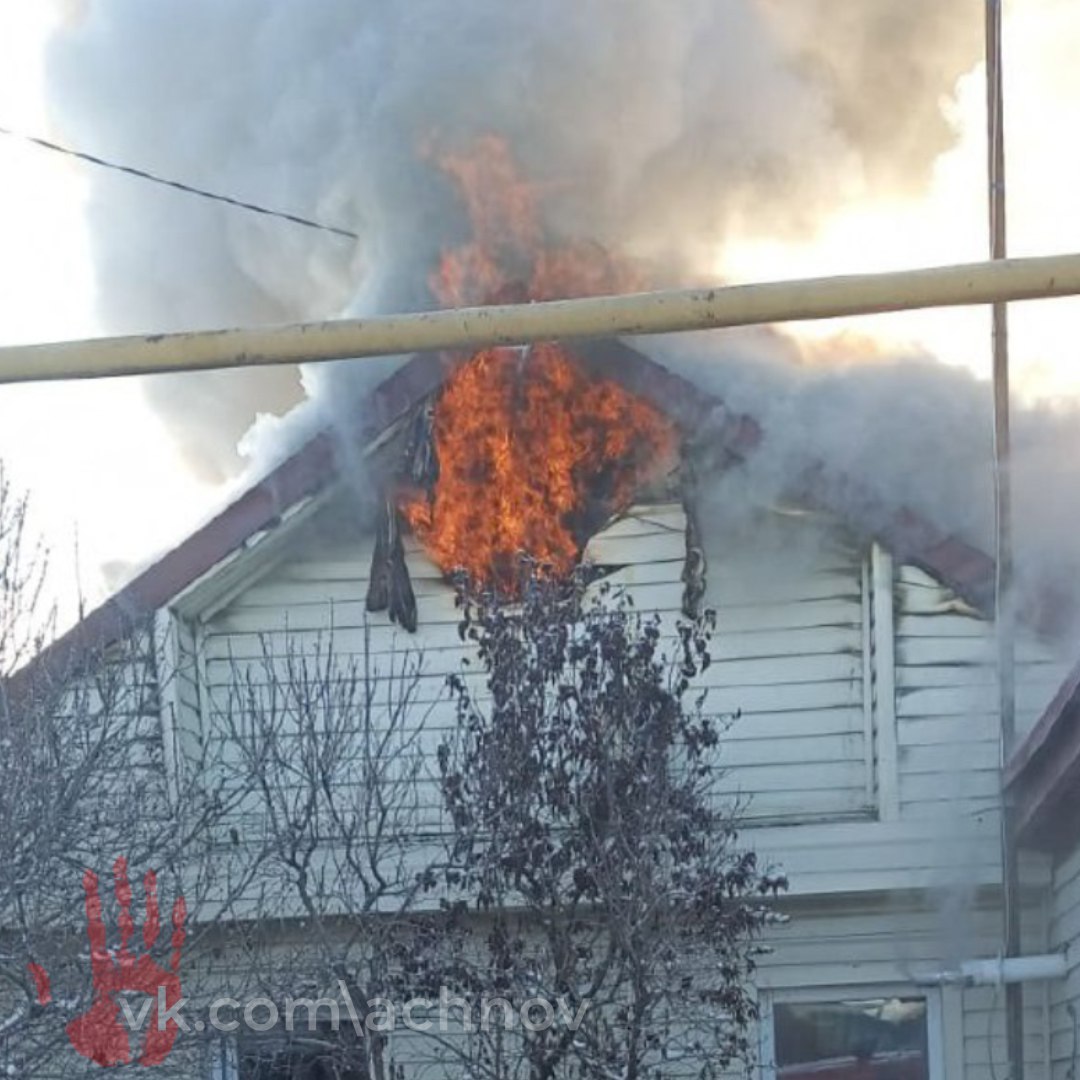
(1000, 971)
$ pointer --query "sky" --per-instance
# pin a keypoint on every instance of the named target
(110, 479)
(947, 222)
(105, 481)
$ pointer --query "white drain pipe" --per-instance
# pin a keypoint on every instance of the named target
(1000, 971)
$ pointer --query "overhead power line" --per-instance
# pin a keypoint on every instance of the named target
(189, 189)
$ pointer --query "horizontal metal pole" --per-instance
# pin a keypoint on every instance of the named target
(520, 324)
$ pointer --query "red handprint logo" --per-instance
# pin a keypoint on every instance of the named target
(98, 1034)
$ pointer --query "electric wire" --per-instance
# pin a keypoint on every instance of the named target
(177, 185)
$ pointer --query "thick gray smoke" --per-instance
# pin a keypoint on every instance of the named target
(653, 127)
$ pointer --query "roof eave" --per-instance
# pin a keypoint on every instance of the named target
(259, 508)
(733, 436)
(1042, 777)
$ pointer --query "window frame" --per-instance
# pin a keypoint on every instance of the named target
(768, 999)
(225, 1056)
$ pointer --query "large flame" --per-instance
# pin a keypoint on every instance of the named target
(533, 457)
(533, 453)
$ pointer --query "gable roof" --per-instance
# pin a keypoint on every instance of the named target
(703, 418)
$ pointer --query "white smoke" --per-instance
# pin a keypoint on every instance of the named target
(659, 129)
(651, 127)
(906, 429)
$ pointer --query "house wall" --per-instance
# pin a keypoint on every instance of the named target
(946, 699)
(109, 720)
(853, 948)
(862, 948)
(865, 748)
(1065, 935)
(788, 653)
(947, 721)
(865, 695)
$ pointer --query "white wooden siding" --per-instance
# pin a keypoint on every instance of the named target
(811, 745)
(892, 942)
(947, 705)
(181, 712)
(792, 651)
(788, 654)
(1065, 934)
(845, 950)
(121, 693)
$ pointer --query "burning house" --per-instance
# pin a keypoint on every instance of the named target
(851, 658)
(853, 668)
(279, 680)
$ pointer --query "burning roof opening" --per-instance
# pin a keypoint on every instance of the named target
(532, 456)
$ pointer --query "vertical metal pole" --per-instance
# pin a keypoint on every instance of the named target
(1003, 613)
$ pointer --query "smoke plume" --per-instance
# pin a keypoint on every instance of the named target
(650, 127)
(656, 129)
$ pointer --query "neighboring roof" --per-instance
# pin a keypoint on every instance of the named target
(1043, 775)
(731, 437)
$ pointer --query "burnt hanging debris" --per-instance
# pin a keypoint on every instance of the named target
(695, 565)
(389, 588)
(421, 463)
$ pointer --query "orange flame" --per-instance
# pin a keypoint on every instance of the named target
(533, 457)
(533, 454)
(506, 256)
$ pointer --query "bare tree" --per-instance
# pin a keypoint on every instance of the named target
(84, 782)
(295, 813)
(331, 751)
(340, 829)
(592, 850)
